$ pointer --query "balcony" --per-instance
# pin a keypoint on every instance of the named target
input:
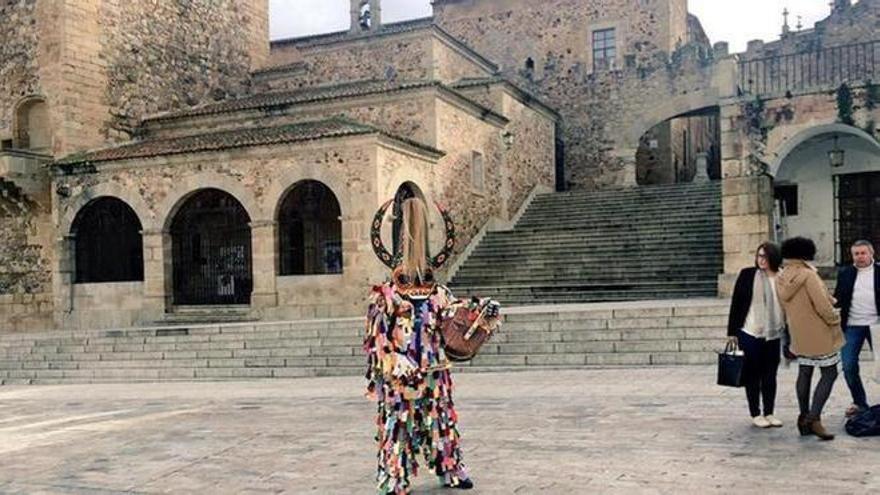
(820, 69)
(23, 175)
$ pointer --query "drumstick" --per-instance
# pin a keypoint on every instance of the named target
(473, 328)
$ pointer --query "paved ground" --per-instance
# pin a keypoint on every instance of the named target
(657, 430)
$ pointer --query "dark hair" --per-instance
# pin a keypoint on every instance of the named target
(799, 248)
(774, 256)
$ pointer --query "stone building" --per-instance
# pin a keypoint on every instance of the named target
(166, 162)
(196, 171)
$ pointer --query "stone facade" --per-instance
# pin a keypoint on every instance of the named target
(361, 112)
(19, 43)
(412, 51)
(153, 102)
(547, 49)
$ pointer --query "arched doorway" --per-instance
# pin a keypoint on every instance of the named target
(681, 149)
(108, 246)
(211, 250)
(834, 202)
(310, 231)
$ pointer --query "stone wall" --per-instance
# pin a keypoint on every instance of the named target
(25, 272)
(405, 56)
(405, 113)
(19, 76)
(259, 178)
(600, 109)
(169, 54)
(459, 135)
(531, 159)
(450, 65)
(101, 65)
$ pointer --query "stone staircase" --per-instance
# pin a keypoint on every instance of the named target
(659, 242)
(643, 333)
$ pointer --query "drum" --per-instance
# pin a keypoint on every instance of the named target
(463, 334)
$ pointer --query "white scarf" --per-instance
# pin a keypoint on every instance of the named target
(768, 320)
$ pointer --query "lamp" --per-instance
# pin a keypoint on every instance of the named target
(836, 155)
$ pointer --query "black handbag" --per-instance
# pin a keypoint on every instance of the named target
(730, 366)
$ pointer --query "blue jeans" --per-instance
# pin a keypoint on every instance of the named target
(849, 355)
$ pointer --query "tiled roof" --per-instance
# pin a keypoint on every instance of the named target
(299, 96)
(241, 138)
(470, 82)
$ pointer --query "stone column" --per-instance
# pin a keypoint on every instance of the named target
(746, 201)
(263, 252)
(62, 281)
(158, 289)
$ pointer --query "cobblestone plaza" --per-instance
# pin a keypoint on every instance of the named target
(627, 430)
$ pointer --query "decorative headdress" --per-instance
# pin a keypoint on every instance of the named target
(409, 284)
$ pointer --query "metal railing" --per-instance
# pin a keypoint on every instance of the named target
(827, 67)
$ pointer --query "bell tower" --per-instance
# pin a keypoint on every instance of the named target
(366, 15)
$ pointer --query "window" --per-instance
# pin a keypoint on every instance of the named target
(604, 49)
(108, 244)
(478, 172)
(787, 197)
(310, 231)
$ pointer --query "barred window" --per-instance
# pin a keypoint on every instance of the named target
(310, 231)
(108, 246)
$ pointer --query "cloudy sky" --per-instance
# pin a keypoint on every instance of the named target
(735, 21)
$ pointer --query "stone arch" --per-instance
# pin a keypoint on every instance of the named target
(167, 209)
(211, 249)
(111, 189)
(681, 148)
(671, 108)
(108, 242)
(792, 143)
(31, 128)
(288, 180)
(309, 230)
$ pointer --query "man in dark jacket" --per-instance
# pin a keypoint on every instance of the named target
(858, 297)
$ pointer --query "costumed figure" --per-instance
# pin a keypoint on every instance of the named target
(408, 368)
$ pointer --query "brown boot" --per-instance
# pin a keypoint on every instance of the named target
(817, 429)
(803, 427)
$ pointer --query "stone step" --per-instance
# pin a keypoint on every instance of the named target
(548, 236)
(676, 332)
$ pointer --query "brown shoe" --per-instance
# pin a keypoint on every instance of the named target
(817, 429)
(803, 427)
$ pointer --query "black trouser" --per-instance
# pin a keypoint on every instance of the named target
(759, 372)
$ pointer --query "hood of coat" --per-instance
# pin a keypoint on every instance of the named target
(794, 275)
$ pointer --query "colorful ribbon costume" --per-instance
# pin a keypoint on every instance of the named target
(408, 373)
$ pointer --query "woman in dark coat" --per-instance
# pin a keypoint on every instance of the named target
(756, 324)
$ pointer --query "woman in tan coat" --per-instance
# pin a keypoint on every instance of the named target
(816, 336)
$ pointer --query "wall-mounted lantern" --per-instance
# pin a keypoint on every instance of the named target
(836, 157)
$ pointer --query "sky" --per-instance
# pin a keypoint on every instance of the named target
(734, 21)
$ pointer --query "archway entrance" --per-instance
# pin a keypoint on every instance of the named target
(211, 251)
(107, 243)
(310, 231)
(832, 202)
(685, 148)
